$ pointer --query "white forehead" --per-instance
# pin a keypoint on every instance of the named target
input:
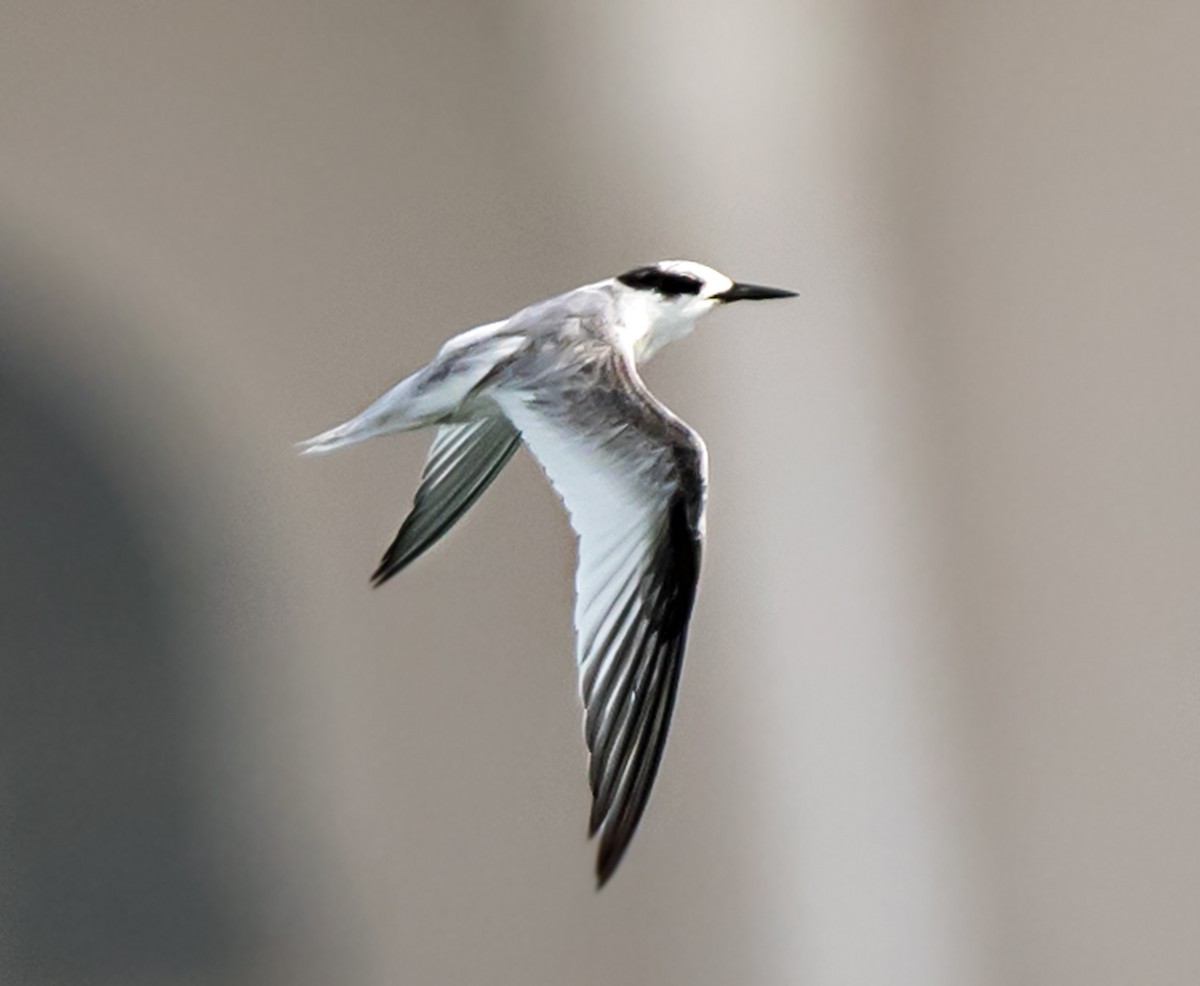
(713, 280)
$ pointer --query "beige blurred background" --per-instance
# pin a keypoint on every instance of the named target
(940, 722)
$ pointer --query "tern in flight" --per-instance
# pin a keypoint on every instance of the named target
(562, 376)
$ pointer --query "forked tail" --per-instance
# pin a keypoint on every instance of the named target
(430, 396)
(397, 410)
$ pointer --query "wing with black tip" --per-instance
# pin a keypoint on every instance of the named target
(632, 477)
(462, 462)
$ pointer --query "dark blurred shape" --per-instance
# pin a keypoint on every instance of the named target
(102, 869)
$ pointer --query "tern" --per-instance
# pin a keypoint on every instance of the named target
(561, 376)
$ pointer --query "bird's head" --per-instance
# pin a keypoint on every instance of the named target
(661, 302)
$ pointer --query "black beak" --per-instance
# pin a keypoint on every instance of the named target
(753, 292)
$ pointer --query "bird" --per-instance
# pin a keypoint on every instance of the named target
(561, 377)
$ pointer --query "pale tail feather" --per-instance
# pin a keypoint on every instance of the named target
(429, 396)
(394, 411)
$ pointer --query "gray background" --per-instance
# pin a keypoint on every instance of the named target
(939, 722)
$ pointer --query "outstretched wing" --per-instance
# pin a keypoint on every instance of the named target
(463, 460)
(632, 477)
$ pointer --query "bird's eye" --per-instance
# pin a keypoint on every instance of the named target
(667, 284)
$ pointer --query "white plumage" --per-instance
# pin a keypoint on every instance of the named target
(561, 377)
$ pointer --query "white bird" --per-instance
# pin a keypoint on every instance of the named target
(562, 376)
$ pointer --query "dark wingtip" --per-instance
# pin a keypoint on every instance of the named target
(608, 855)
(606, 866)
(390, 564)
(404, 549)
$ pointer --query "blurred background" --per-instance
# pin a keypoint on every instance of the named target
(940, 721)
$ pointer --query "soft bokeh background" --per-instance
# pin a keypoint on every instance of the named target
(940, 722)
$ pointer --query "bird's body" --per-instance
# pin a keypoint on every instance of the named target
(562, 377)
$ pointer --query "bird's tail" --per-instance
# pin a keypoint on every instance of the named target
(394, 411)
(430, 396)
(346, 433)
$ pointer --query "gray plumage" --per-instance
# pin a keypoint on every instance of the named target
(561, 376)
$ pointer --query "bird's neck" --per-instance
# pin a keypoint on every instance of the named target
(643, 330)
(660, 334)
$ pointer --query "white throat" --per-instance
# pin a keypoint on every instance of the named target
(643, 327)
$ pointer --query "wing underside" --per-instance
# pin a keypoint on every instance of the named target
(632, 478)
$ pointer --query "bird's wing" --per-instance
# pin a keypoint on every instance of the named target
(632, 477)
(463, 460)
